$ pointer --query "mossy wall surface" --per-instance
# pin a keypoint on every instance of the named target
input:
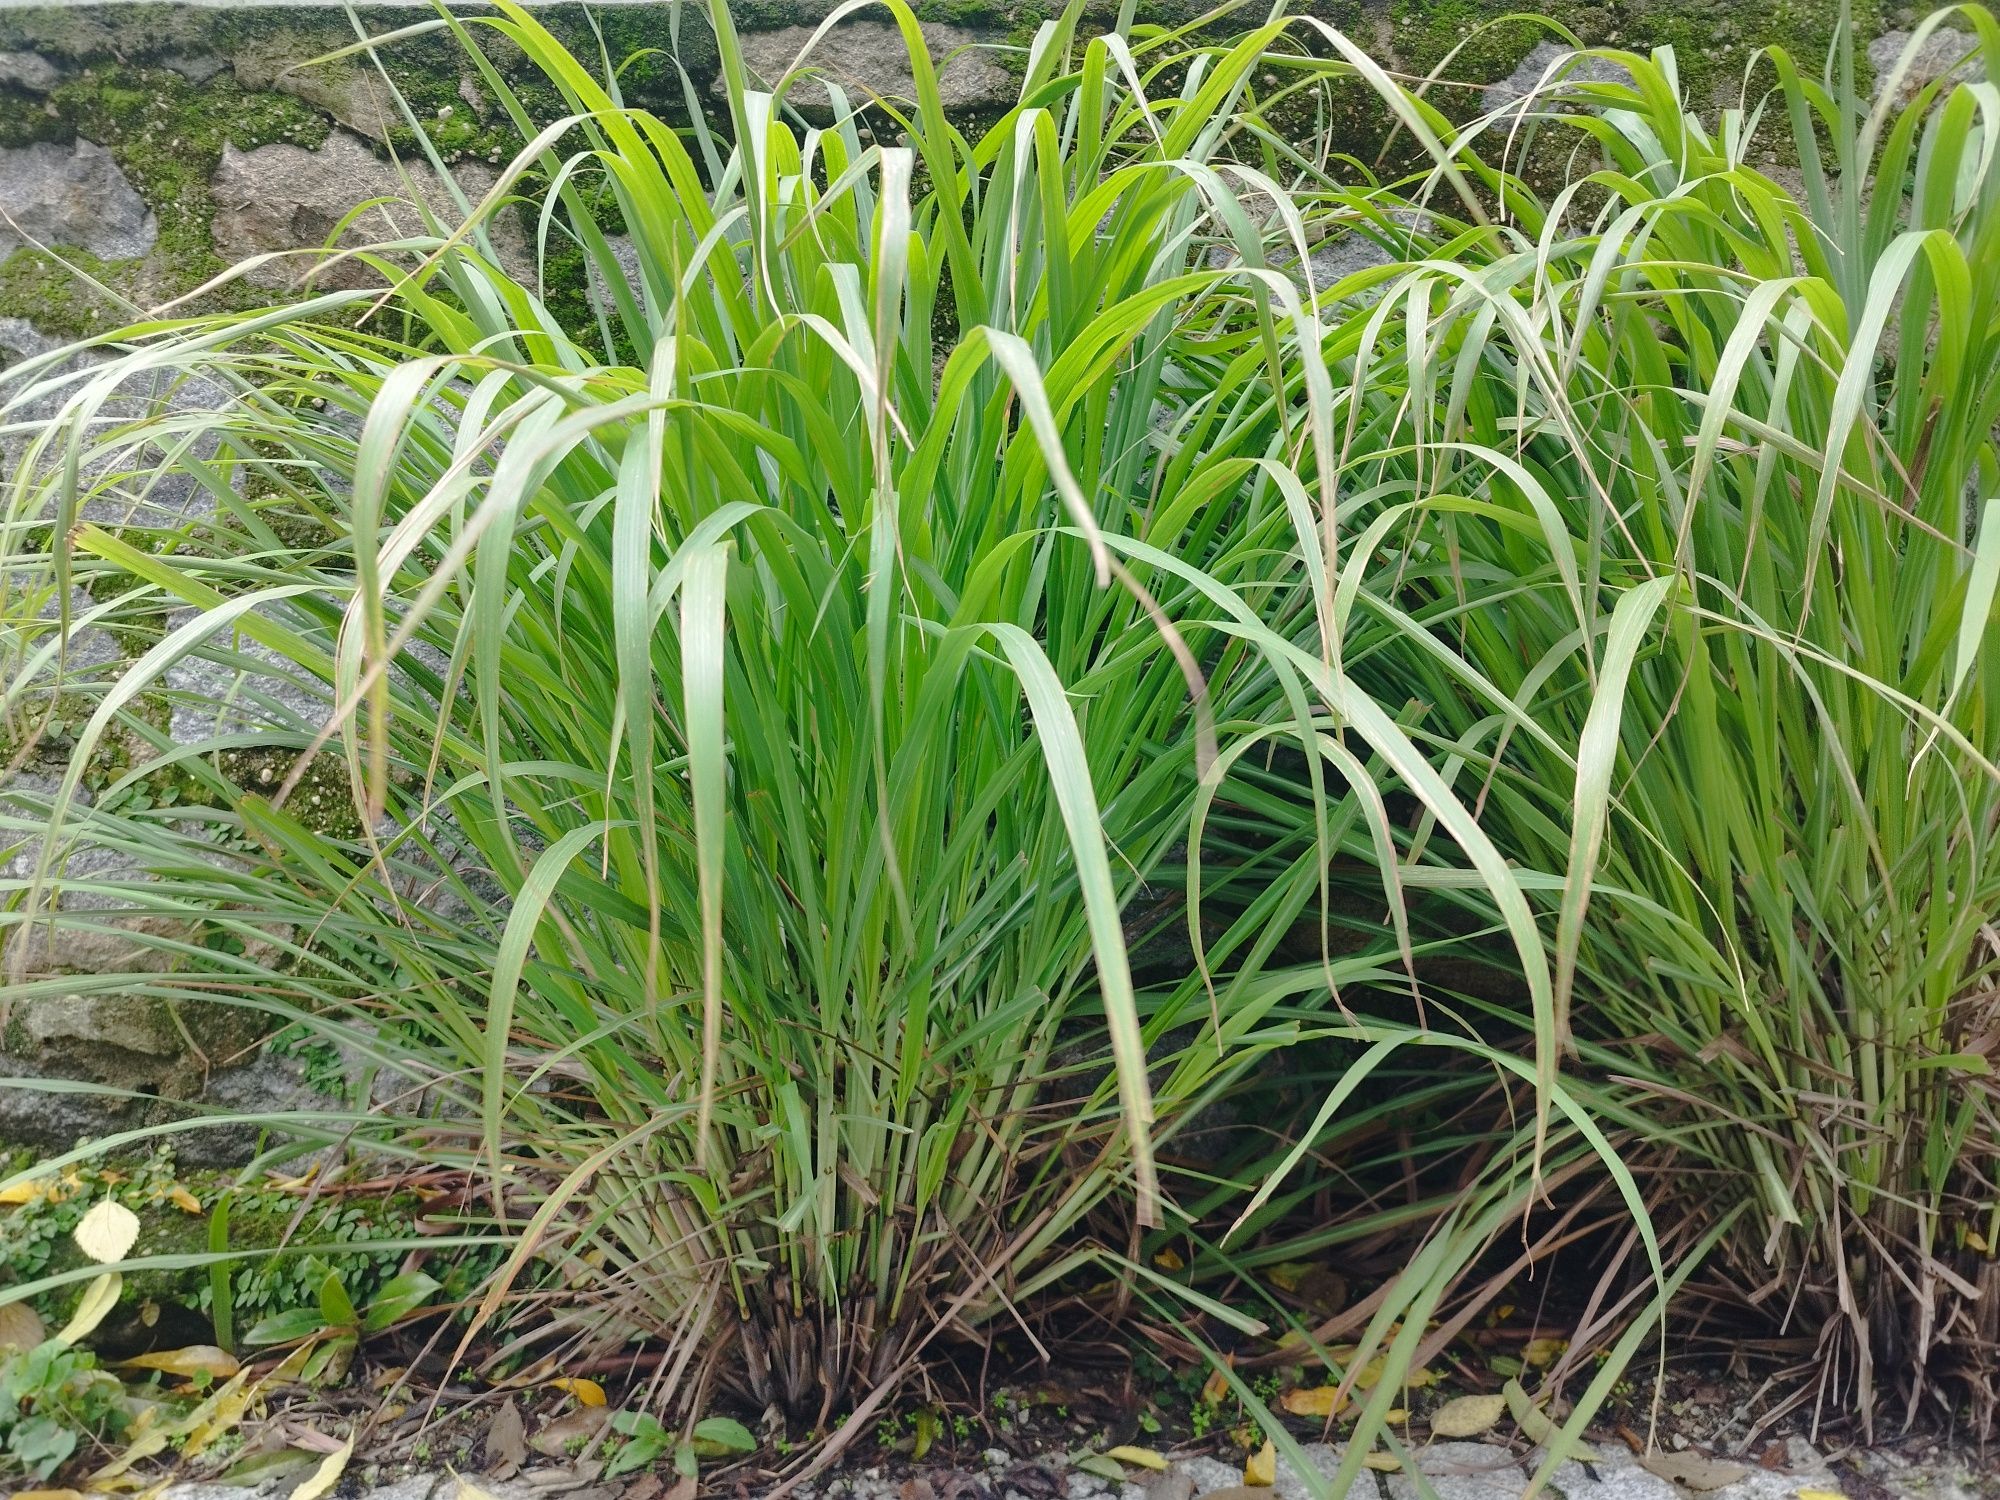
(165, 86)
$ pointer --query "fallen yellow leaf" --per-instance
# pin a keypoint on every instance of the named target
(1382, 1463)
(1139, 1458)
(21, 1326)
(1287, 1275)
(1260, 1469)
(54, 1190)
(97, 1300)
(293, 1366)
(48, 1495)
(146, 1438)
(195, 1359)
(1369, 1375)
(587, 1392)
(1820, 1495)
(1216, 1386)
(219, 1414)
(1467, 1416)
(1538, 1352)
(1531, 1419)
(1694, 1471)
(1169, 1260)
(322, 1480)
(182, 1199)
(1313, 1401)
(106, 1232)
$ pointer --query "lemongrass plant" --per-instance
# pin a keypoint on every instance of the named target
(763, 722)
(768, 719)
(1690, 502)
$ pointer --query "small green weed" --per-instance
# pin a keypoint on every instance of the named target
(53, 1397)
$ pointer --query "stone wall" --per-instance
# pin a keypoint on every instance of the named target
(150, 146)
(157, 143)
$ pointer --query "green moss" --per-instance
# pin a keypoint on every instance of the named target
(45, 728)
(1711, 45)
(24, 119)
(167, 135)
(987, 13)
(323, 800)
(42, 290)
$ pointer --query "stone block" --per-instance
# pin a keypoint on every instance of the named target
(867, 58)
(71, 196)
(282, 198)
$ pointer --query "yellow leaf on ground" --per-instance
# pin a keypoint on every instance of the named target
(48, 1495)
(1532, 1420)
(1467, 1416)
(1216, 1386)
(1313, 1401)
(1382, 1463)
(98, 1299)
(292, 1366)
(1820, 1495)
(146, 1439)
(219, 1414)
(1287, 1275)
(130, 1484)
(182, 1199)
(1369, 1375)
(21, 1326)
(195, 1359)
(1538, 1352)
(1169, 1260)
(32, 1191)
(322, 1480)
(106, 1232)
(1139, 1458)
(1260, 1469)
(1694, 1471)
(588, 1392)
